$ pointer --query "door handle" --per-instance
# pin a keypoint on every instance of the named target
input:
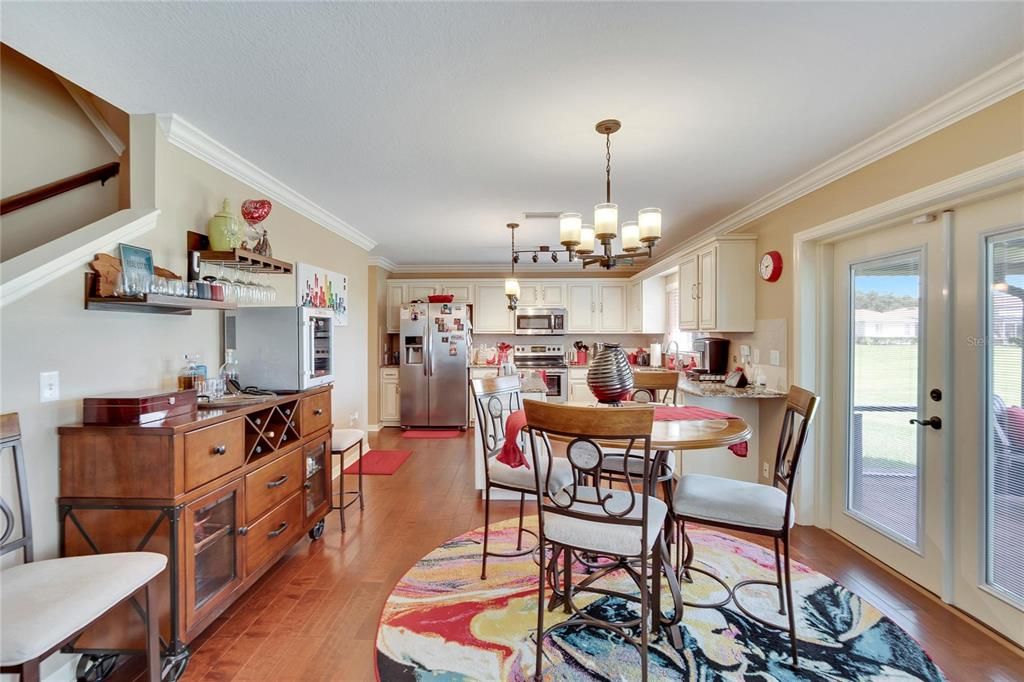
(278, 482)
(934, 422)
(280, 529)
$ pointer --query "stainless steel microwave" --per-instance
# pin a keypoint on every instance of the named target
(540, 321)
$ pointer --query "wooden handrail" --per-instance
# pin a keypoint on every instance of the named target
(34, 196)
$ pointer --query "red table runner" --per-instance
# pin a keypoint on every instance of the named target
(668, 413)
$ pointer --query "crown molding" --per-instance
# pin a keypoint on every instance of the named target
(186, 136)
(26, 272)
(382, 262)
(504, 269)
(998, 83)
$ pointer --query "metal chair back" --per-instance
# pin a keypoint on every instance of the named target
(588, 431)
(10, 439)
(495, 398)
(802, 404)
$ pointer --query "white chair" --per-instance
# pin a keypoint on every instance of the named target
(753, 507)
(45, 605)
(495, 399)
(343, 440)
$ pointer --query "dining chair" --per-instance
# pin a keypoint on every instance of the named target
(45, 605)
(755, 508)
(661, 386)
(587, 517)
(495, 398)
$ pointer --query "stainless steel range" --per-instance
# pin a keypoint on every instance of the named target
(549, 358)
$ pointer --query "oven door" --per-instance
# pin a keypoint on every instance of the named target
(557, 381)
(534, 322)
(317, 348)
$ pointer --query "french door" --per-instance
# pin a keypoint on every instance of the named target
(889, 398)
(928, 395)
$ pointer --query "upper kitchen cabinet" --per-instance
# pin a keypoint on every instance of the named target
(646, 312)
(540, 294)
(716, 286)
(596, 308)
(419, 292)
(462, 291)
(490, 310)
(396, 297)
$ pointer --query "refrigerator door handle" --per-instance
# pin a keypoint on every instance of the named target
(431, 354)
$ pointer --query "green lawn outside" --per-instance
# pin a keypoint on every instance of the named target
(887, 375)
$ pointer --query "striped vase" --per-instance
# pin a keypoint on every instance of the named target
(610, 377)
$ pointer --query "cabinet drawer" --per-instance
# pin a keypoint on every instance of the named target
(273, 533)
(213, 452)
(266, 487)
(315, 412)
(389, 374)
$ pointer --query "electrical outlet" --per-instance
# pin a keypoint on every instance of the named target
(764, 470)
(49, 387)
(755, 357)
(353, 419)
(773, 358)
(744, 352)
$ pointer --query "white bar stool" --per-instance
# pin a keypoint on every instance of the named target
(343, 440)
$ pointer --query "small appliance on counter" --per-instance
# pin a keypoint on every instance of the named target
(548, 360)
(281, 348)
(712, 356)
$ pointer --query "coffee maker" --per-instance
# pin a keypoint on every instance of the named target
(712, 358)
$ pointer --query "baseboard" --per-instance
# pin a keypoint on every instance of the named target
(373, 428)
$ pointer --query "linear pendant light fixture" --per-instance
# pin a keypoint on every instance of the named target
(580, 239)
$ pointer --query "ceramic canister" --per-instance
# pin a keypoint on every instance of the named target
(223, 229)
(610, 377)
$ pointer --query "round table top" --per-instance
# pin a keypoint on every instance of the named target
(689, 434)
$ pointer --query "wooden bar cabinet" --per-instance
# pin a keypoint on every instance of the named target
(223, 493)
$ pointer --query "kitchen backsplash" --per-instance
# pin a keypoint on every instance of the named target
(630, 342)
(768, 336)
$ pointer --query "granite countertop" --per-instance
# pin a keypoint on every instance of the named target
(710, 389)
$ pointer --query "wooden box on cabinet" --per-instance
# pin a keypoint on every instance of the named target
(223, 494)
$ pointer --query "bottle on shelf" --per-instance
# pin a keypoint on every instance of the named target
(229, 370)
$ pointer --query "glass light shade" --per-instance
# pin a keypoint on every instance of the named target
(569, 225)
(650, 224)
(512, 287)
(630, 235)
(606, 221)
(586, 239)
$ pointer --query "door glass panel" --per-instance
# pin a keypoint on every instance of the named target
(213, 543)
(883, 455)
(316, 490)
(1005, 432)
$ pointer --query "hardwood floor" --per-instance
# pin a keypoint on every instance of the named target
(314, 616)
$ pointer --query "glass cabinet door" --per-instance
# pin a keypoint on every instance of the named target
(318, 477)
(212, 548)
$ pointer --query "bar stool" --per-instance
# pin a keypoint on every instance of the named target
(343, 440)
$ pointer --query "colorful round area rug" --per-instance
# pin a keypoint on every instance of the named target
(442, 622)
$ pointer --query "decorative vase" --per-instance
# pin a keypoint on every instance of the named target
(223, 229)
(610, 377)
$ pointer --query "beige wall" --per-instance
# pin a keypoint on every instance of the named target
(45, 137)
(991, 134)
(101, 352)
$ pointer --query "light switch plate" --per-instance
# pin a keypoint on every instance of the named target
(755, 357)
(49, 387)
(773, 358)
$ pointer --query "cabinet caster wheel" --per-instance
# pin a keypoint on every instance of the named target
(174, 665)
(317, 531)
(95, 668)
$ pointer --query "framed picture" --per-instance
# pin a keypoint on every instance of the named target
(136, 264)
(316, 287)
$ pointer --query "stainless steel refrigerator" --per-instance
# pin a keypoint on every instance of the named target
(434, 347)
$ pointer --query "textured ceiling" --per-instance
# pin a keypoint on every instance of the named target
(428, 126)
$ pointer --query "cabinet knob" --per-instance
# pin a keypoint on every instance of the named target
(317, 412)
(308, 485)
(244, 530)
(219, 449)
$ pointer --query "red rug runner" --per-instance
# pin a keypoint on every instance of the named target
(379, 462)
(431, 434)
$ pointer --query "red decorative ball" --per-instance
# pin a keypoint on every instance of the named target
(256, 210)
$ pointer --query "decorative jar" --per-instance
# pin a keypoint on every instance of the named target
(610, 377)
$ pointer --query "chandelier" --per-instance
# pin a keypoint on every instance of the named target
(580, 239)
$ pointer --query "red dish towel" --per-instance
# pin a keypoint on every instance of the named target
(511, 454)
(692, 412)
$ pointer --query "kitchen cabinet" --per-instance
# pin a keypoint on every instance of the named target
(611, 308)
(549, 294)
(395, 299)
(716, 286)
(462, 291)
(582, 309)
(213, 551)
(579, 392)
(390, 397)
(420, 292)
(490, 310)
(478, 373)
(646, 313)
(688, 283)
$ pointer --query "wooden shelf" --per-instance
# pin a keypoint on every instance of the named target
(240, 259)
(158, 304)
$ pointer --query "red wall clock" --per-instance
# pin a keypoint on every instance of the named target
(771, 266)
